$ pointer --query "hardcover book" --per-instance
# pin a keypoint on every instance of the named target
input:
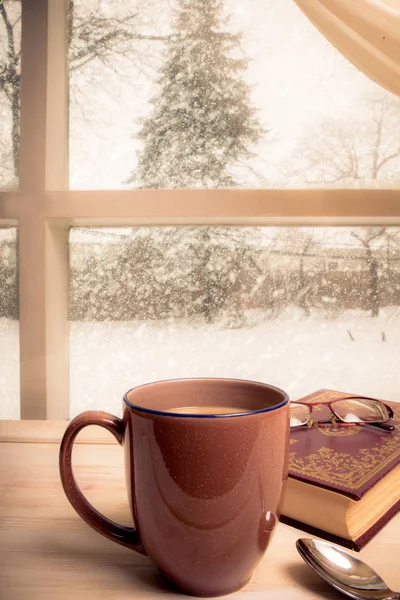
(344, 481)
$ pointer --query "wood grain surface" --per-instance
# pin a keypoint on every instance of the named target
(48, 553)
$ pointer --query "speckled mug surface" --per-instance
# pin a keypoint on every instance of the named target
(205, 489)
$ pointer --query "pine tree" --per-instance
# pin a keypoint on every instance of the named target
(202, 121)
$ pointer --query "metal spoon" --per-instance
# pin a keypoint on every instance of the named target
(343, 571)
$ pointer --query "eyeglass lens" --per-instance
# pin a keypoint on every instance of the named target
(299, 414)
(360, 410)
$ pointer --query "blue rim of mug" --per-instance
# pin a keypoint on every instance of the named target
(165, 413)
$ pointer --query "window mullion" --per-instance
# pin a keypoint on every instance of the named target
(43, 251)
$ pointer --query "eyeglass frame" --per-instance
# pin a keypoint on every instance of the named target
(310, 421)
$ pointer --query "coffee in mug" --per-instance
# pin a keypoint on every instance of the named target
(208, 410)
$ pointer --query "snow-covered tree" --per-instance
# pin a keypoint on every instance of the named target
(202, 121)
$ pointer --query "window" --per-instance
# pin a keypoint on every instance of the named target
(91, 163)
(257, 303)
(300, 114)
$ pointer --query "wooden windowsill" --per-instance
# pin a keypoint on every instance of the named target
(49, 432)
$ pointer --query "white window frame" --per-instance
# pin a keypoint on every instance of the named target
(44, 209)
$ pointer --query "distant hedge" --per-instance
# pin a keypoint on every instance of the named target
(208, 278)
(164, 277)
(201, 278)
(8, 281)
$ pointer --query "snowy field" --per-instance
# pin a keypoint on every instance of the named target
(9, 369)
(298, 354)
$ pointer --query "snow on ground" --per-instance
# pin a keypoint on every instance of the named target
(297, 354)
(9, 369)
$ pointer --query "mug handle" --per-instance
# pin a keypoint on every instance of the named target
(126, 536)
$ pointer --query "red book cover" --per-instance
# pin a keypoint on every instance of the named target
(349, 460)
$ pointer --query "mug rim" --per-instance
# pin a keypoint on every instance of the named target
(165, 413)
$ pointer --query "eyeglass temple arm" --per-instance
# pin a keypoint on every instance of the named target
(384, 426)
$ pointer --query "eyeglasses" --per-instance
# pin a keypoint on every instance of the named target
(352, 410)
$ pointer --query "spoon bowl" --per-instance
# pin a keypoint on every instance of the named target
(344, 571)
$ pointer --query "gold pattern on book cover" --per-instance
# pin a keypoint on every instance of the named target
(344, 469)
(338, 431)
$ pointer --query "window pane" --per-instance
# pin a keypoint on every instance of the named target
(300, 308)
(269, 104)
(10, 47)
(9, 326)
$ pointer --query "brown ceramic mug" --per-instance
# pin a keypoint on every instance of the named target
(205, 484)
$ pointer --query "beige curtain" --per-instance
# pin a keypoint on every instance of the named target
(366, 32)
